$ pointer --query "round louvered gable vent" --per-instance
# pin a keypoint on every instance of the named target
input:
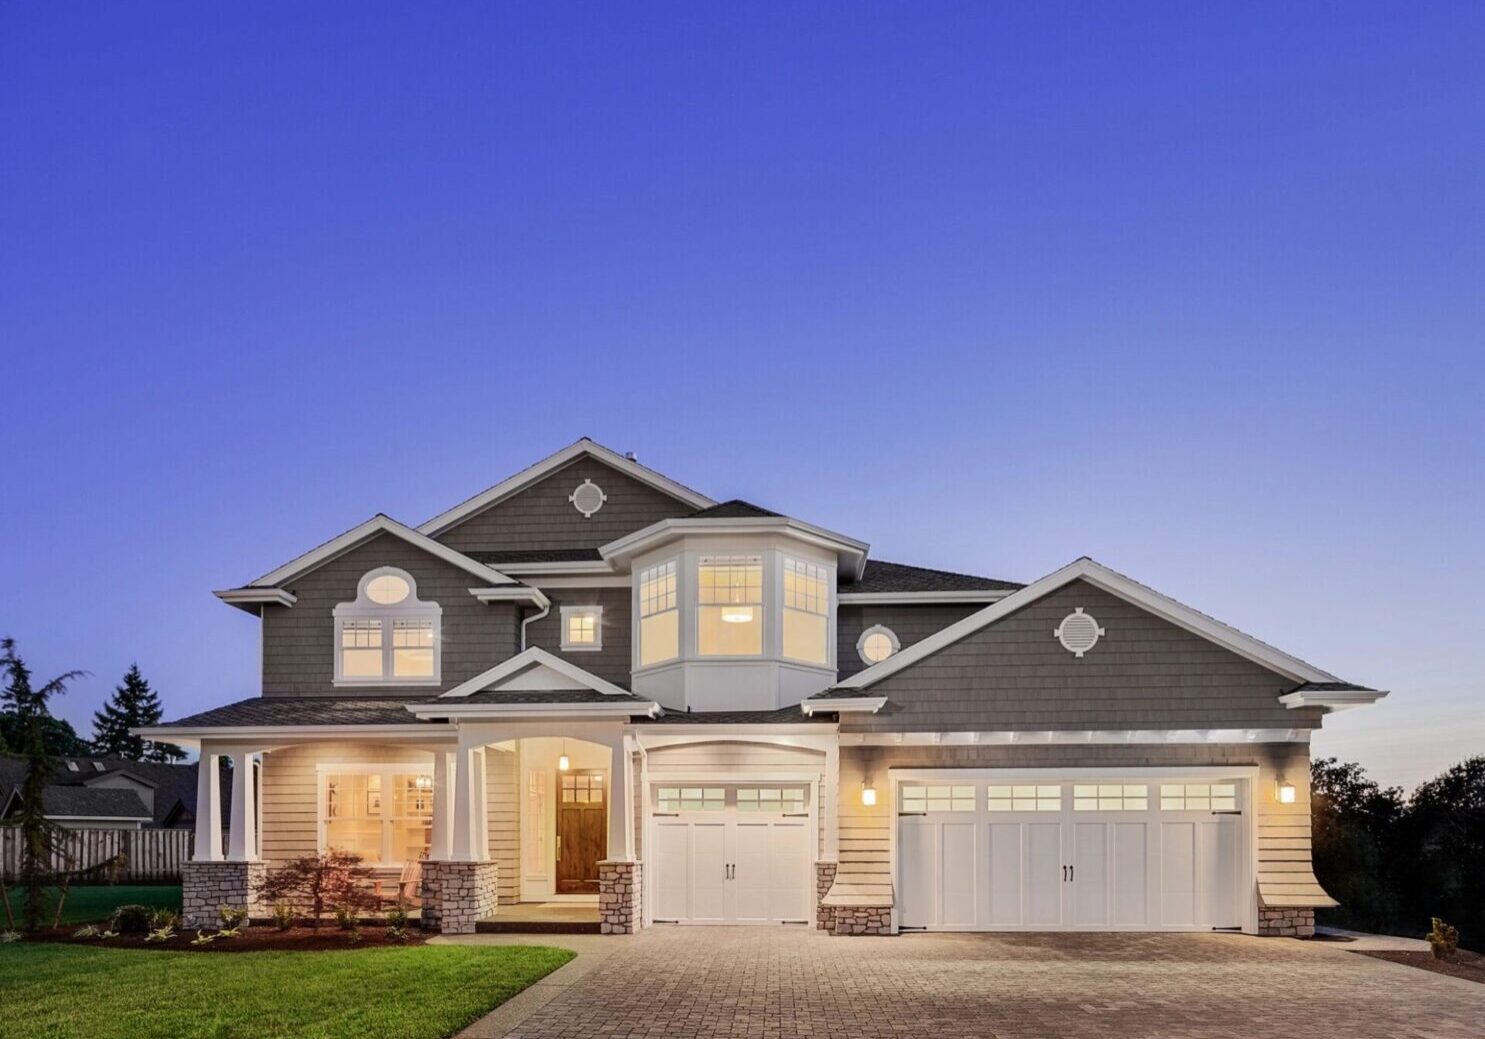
(1078, 632)
(588, 498)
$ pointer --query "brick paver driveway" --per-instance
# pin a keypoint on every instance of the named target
(780, 982)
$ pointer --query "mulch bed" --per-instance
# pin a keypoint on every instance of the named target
(1467, 965)
(252, 939)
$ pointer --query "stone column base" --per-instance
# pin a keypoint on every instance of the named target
(619, 897)
(456, 895)
(1288, 923)
(824, 878)
(863, 920)
(207, 885)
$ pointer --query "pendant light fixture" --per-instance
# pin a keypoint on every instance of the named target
(563, 764)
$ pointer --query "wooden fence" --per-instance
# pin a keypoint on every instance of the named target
(150, 856)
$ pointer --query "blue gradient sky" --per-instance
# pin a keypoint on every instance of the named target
(1195, 289)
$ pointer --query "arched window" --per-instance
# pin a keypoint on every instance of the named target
(388, 636)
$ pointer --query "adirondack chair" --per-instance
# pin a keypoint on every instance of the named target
(409, 889)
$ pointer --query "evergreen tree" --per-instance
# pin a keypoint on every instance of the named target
(133, 704)
(21, 707)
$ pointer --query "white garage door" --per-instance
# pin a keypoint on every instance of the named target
(732, 854)
(1091, 855)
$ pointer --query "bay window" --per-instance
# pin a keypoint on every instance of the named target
(806, 611)
(659, 618)
(387, 635)
(382, 813)
(729, 616)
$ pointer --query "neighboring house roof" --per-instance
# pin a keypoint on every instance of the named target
(735, 508)
(81, 802)
(174, 784)
(880, 576)
(530, 475)
(1116, 584)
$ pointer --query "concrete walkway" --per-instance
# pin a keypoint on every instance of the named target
(781, 982)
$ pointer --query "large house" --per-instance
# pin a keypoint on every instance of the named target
(592, 684)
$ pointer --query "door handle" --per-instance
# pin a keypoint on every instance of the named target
(1072, 872)
(559, 846)
(1064, 874)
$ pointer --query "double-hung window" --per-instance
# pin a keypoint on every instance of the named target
(659, 619)
(806, 611)
(729, 615)
(387, 636)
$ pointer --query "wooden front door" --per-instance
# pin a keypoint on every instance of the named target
(582, 830)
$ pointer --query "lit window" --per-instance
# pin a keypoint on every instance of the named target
(1110, 797)
(582, 627)
(659, 620)
(938, 798)
(1027, 798)
(691, 799)
(787, 800)
(360, 818)
(876, 644)
(729, 620)
(1198, 797)
(806, 611)
(387, 635)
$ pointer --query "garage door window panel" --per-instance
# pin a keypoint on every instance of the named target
(1024, 798)
(947, 798)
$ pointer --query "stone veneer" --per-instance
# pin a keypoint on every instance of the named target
(456, 895)
(205, 886)
(1289, 923)
(619, 897)
(824, 877)
(863, 919)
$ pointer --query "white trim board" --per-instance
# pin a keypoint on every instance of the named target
(624, 709)
(1332, 700)
(378, 524)
(850, 554)
(531, 658)
(531, 474)
(921, 598)
(1074, 737)
(1115, 584)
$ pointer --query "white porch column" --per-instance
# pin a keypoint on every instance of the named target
(208, 847)
(243, 838)
(620, 821)
(471, 843)
(443, 807)
(831, 796)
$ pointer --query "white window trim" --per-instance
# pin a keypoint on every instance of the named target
(325, 769)
(639, 616)
(877, 629)
(596, 612)
(827, 610)
(411, 608)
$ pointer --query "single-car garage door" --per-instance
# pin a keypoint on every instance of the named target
(1084, 854)
(732, 854)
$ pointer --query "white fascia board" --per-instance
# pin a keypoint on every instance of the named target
(850, 552)
(471, 711)
(511, 593)
(191, 736)
(1334, 700)
(844, 705)
(583, 566)
(531, 658)
(378, 524)
(1075, 737)
(102, 818)
(256, 596)
(526, 477)
(920, 598)
(1115, 584)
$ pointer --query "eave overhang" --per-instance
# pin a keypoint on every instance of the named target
(845, 705)
(1332, 700)
(850, 554)
(454, 710)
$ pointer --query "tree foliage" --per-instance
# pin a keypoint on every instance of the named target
(132, 705)
(1394, 863)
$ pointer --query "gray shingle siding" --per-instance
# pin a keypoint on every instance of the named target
(1145, 673)
(909, 623)
(613, 661)
(299, 640)
(541, 518)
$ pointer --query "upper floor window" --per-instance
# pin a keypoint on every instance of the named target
(582, 627)
(876, 644)
(387, 635)
(806, 611)
(729, 617)
(659, 619)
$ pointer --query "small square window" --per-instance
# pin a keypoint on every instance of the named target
(582, 628)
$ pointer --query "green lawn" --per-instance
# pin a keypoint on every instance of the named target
(87, 904)
(418, 992)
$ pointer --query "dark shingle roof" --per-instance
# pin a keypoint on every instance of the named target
(92, 802)
(285, 710)
(1333, 687)
(541, 555)
(733, 509)
(839, 694)
(782, 716)
(880, 576)
(174, 784)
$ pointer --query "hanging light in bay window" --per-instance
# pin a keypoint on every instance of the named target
(737, 614)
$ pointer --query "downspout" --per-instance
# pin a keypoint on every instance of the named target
(534, 617)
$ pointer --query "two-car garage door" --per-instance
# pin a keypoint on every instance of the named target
(1106, 853)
